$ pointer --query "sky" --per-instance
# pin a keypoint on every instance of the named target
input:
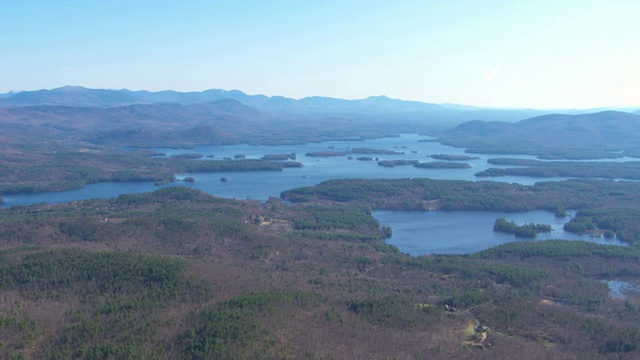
(491, 53)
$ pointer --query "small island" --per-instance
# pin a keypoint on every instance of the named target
(375, 151)
(279, 157)
(360, 151)
(327, 153)
(188, 156)
(453, 157)
(526, 230)
(442, 165)
(393, 163)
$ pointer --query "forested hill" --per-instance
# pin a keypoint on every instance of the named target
(598, 134)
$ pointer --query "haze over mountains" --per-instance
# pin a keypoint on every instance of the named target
(171, 118)
(77, 96)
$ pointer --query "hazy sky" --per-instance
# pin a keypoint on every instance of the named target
(525, 53)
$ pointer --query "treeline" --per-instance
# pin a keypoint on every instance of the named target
(559, 249)
(583, 169)
(509, 146)
(425, 194)
(621, 222)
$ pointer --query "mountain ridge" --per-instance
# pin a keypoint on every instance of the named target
(79, 96)
(600, 132)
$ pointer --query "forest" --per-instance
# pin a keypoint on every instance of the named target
(628, 170)
(179, 274)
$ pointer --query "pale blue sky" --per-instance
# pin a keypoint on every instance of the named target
(549, 54)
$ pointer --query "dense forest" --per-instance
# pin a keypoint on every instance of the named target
(584, 169)
(178, 273)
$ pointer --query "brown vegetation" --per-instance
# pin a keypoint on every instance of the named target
(288, 281)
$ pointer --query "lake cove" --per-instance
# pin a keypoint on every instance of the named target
(465, 232)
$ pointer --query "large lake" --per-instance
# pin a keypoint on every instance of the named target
(456, 232)
(262, 185)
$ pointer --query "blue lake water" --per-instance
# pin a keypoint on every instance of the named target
(450, 232)
(463, 232)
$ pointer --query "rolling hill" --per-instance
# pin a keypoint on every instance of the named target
(596, 135)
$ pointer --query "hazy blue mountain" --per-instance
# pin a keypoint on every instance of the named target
(6, 95)
(70, 96)
(113, 116)
(379, 107)
(192, 97)
(599, 127)
(596, 132)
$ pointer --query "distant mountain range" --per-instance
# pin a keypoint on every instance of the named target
(171, 118)
(77, 96)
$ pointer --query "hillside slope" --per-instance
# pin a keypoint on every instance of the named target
(592, 135)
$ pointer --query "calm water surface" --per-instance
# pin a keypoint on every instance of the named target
(463, 232)
(262, 185)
